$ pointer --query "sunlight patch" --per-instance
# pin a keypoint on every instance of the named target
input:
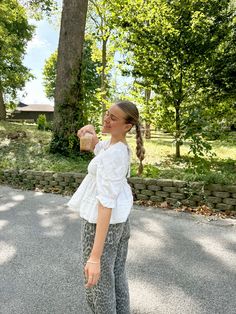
(19, 197)
(38, 193)
(5, 142)
(7, 206)
(216, 249)
(46, 223)
(3, 223)
(7, 252)
(170, 294)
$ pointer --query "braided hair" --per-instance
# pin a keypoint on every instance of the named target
(132, 117)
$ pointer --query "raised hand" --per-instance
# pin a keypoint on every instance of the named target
(89, 128)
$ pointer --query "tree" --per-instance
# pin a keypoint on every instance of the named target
(173, 43)
(89, 77)
(39, 7)
(15, 32)
(91, 82)
(49, 75)
(141, 92)
(101, 29)
(69, 110)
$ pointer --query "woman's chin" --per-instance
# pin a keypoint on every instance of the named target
(105, 130)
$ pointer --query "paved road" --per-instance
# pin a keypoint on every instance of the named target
(177, 262)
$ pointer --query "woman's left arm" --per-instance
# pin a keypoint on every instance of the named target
(92, 270)
(111, 172)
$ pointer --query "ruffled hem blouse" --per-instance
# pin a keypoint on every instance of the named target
(106, 182)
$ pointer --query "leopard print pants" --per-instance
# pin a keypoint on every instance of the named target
(111, 294)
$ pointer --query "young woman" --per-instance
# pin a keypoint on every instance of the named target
(104, 200)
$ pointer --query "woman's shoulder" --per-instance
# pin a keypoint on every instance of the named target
(100, 146)
(114, 161)
(117, 151)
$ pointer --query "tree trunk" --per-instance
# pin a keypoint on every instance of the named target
(68, 113)
(103, 77)
(2, 106)
(177, 136)
(147, 125)
(177, 110)
(147, 130)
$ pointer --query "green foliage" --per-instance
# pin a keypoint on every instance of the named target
(91, 82)
(11, 106)
(49, 75)
(41, 122)
(15, 32)
(38, 8)
(142, 94)
(102, 33)
(173, 46)
(149, 171)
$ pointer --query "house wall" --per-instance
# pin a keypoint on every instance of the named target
(31, 115)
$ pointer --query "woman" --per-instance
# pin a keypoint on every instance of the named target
(104, 200)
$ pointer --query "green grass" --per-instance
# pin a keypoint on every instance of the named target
(32, 153)
(160, 161)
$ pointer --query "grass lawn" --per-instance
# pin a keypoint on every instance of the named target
(32, 153)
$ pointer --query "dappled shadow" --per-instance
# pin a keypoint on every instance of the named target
(186, 269)
(33, 154)
(228, 140)
(165, 142)
(41, 268)
(19, 154)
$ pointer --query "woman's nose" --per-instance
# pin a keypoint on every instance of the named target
(106, 118)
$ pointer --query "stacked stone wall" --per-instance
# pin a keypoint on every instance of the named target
(175, 192)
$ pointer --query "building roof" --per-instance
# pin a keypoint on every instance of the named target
(35, 107)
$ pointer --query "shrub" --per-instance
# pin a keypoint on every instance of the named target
(41, 122)
(49, 126)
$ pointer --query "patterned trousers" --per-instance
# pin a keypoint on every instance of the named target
(111, 294)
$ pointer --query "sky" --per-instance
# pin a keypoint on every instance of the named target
(43, 43)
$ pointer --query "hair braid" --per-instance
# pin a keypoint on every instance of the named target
(140, 150)
(132, 117)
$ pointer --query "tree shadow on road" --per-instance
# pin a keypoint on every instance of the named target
(40, 255)
(175, 258)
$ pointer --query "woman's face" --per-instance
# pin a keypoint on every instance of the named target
(114, 121)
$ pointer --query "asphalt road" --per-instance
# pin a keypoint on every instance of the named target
(177, 262)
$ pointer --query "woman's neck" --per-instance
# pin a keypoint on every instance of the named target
(116, 139)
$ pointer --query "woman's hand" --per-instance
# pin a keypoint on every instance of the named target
(89, 128)
(92, 273)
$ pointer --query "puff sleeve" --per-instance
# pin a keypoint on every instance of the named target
(97, 147)
(111, 175)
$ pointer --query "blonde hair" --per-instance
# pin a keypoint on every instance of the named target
(132, 117)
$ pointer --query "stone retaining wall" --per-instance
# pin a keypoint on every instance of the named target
(175, 192)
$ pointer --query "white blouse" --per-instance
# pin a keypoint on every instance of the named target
(106, 182)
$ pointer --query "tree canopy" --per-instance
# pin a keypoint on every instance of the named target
(15, 32)
(173, 45)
